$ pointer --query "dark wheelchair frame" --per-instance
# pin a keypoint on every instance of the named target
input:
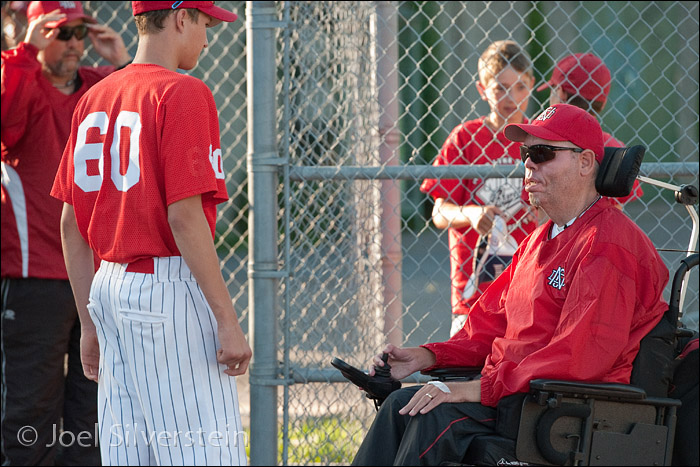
(582, 423)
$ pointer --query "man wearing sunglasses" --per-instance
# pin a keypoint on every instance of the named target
(42, 81)
(580, 293)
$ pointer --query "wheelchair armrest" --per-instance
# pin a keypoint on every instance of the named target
(580, 389)
(456, 373)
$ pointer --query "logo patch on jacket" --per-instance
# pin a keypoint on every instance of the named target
(556, 278)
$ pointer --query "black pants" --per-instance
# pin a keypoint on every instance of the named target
(443, 434)
(40, 399)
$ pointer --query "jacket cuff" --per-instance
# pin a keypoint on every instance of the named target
(432, 348)
(487, 397)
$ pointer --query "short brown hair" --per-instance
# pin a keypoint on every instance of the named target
(592, 107)
(152, 21)
(501, 54)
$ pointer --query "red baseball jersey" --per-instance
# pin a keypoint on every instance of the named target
(36, 120)
(142, 139)
(473, 142)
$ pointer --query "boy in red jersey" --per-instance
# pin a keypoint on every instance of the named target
(140, 178)
(473, 209)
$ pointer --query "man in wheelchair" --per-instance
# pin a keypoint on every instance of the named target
(580, 294)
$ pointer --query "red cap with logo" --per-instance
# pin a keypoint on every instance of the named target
(582, 74)
(562, 122)
(206, 7)
(72, 10)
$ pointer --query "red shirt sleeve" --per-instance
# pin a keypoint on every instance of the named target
(452, 190)
(486, 320)
(19, 74)
(190, 131)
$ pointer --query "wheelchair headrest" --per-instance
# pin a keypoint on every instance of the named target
(618, 170)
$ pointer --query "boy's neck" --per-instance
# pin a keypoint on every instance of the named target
(496, 123)
(157, 49)
(493, 125)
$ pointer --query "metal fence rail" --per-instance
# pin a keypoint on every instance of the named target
(680, 171)
(331, 114)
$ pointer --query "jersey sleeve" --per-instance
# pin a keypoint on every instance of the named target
(19, 86)
(190, 151)
(452, 190)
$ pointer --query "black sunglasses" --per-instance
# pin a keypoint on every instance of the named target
(539, 153)
(66, 32)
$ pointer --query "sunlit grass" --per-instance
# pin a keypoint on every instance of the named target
(320, 440)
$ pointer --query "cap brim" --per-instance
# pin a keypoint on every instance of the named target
(220, 14)
(68, 19)
(518, 133)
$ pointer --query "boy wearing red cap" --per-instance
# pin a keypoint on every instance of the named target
(580, 293)
(485, 219)
(583, 80)
(140, 179)
(42, 81)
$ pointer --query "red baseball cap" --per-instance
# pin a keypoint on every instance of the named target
(72, 10)
(207, 7)
(562, 122)
(582, 74)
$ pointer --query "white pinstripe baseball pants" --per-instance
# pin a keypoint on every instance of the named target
(163, 399)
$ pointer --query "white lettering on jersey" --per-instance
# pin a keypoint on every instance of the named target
(217, 162)
(89, 151)
(556, 279)
(129, 120)
(94, 151)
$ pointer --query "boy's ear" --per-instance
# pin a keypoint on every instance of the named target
(531, 80)
(179, 16)
(481, 89)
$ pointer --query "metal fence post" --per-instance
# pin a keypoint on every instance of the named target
(263, 274)
(384, 29)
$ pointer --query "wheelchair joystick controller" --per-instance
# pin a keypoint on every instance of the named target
(383, 372)
(382, 383)
(376, 387)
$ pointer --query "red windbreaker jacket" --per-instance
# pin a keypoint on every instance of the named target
(574, 307)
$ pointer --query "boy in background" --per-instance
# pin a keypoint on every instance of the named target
(486, 219)
(583, 80)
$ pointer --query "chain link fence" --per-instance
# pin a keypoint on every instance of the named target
(367, 93)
